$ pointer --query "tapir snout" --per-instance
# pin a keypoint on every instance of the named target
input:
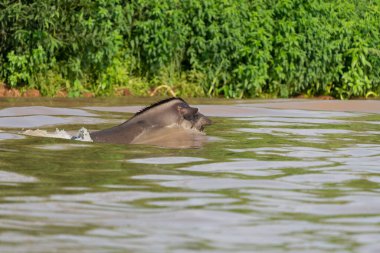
(201, 121)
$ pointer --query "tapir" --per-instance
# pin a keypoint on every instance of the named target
(170, 122)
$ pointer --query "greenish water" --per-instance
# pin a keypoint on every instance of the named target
(266, 181)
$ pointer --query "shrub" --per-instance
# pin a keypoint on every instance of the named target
(217, 48)
(75, 39)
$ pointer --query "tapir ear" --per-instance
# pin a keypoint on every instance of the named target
(187, 111)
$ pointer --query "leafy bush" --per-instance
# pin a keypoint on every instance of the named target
(324, 47)
(75, 39)
(194, 47)
(253, 48)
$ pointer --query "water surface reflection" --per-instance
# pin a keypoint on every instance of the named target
(266, 180)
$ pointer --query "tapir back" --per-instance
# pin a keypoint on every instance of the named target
(159, 115)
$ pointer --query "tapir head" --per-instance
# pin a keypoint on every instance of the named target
(165, 123)
(173, 111)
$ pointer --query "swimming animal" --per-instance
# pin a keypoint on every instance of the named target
(170, 122)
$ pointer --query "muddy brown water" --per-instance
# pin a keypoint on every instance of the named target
(273, 176)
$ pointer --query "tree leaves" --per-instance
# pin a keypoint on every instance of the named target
(229, 48)
(76, 40)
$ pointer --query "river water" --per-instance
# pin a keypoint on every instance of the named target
(267, 180)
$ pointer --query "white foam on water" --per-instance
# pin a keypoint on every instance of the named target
(82, 135)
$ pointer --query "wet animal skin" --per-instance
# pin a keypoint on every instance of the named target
(169, 120)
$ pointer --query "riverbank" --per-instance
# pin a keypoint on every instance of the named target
(364, 106)
(34, 93)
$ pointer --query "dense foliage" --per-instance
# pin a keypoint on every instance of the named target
(222, 47)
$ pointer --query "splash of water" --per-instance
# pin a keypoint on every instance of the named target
(82, 135)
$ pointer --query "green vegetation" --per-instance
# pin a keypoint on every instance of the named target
(262, 48)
